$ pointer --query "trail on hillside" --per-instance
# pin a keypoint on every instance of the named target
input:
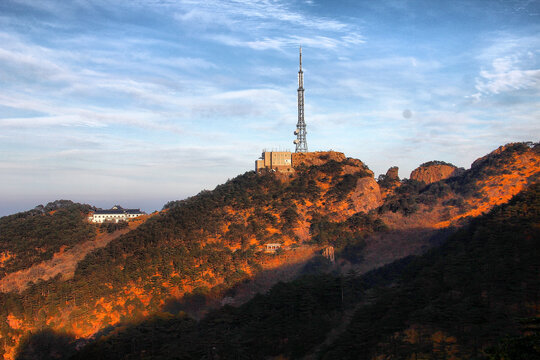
(64, 262)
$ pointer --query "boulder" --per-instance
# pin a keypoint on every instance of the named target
(366, 195)
(434, 171)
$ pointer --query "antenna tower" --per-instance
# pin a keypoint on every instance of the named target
(300, 132)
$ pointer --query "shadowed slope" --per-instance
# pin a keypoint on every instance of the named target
(458, 299)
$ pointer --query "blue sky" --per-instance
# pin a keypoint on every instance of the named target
(145, 101)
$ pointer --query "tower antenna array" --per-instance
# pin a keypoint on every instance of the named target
(300, 132)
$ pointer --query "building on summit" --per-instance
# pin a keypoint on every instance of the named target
(282, 160)
(116, 214)
(274, 161)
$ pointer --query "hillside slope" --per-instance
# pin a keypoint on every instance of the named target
(491, 180)
(64, 262)
(201, 251)
(196, 248)
(33, 236)
(457, 301)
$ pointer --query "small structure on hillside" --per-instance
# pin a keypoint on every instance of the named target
(328, 253)
(115, 214)
(273, 247)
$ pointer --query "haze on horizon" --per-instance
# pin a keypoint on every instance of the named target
(142, 102)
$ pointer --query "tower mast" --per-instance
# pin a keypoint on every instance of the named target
(300, 132)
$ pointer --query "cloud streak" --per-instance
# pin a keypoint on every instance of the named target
(263, 11)
(505, 76)
(285, 43)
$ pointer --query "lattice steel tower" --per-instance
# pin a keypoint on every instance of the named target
(300, 132)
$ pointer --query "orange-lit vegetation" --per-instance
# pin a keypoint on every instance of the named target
(492, 180)
(458, 301)
(197, 247)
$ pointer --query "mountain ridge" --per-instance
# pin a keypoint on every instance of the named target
(205, 245)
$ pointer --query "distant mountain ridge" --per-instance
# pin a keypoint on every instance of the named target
(197, 251)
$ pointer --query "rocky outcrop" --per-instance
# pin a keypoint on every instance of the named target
(389, 182)
(353, 166)
(367, 195)
(392, 173)
(434, 171)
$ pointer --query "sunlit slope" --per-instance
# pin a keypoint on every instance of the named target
(201, 252)
(65, 260)
(457, 301)
(200, 246)
(491, 180)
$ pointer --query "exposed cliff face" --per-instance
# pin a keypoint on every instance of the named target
(433, 171)
(367, 195)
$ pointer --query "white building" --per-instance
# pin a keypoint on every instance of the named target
(115, 214)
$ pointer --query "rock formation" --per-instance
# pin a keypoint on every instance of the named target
(392, 173)
(366, 195)
(433, 171)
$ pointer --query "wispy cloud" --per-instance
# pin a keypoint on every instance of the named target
(285, 43)
(505, 75)
(264, 11)
(249, 23)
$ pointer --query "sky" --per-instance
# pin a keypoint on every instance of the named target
(139, 102)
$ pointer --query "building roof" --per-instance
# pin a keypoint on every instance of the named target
(118, 211)
(133, 211)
